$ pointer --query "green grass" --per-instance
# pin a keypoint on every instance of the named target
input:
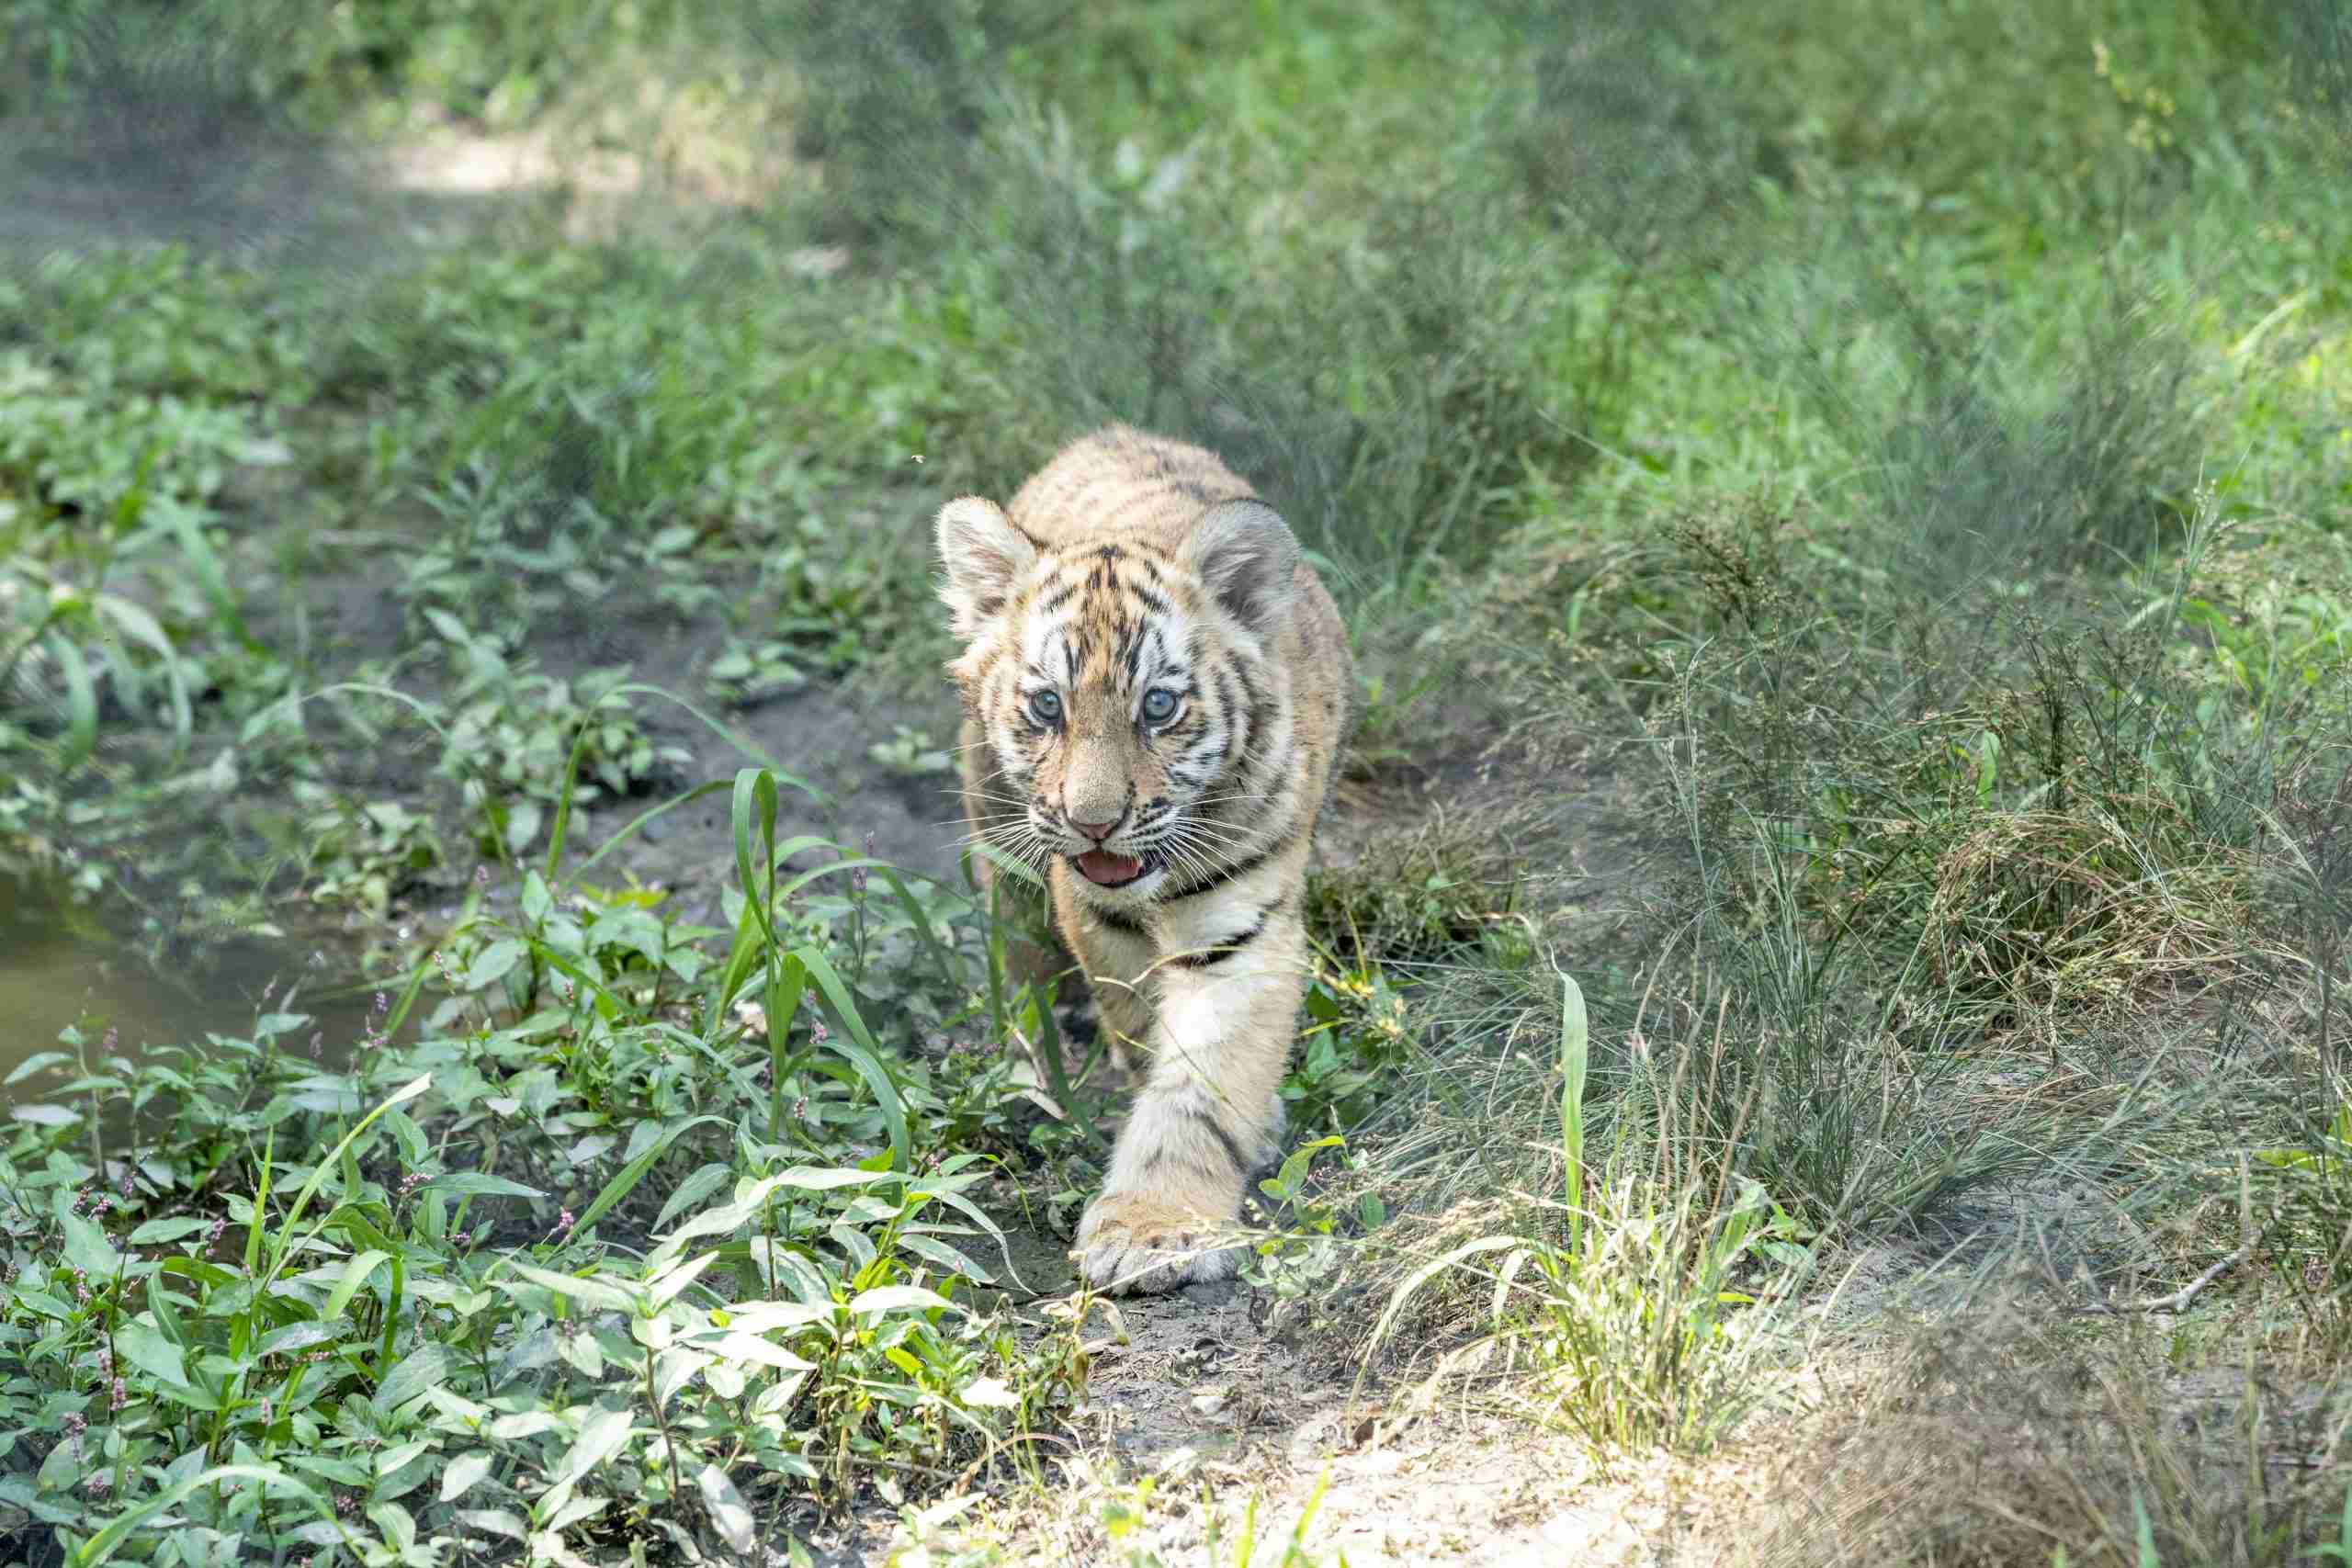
(1900, 451)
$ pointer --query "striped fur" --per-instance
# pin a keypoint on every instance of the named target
(1129, 565)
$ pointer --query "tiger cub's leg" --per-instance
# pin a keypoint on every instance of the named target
(1207, 1119)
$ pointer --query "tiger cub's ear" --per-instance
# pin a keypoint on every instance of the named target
(1247, 557)
(984, 554)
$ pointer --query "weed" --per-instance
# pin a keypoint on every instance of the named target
(1418, 896)
(1620, 1306)
(471, 1315)
(368, 853)
(746, 675)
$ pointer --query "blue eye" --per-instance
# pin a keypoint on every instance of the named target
(1046, 706)
(1158, 705)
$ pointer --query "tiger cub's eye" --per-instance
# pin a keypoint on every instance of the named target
(1046, 706)
(1158, 705)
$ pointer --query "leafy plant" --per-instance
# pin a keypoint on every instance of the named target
(367, 854)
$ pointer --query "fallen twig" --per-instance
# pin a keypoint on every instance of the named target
(2180, 1301)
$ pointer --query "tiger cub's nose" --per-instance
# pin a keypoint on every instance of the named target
(1098, 831)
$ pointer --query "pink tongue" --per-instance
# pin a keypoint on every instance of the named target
(1100, 865)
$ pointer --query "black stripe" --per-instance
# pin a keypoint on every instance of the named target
(1131, 638)
(1224, 949)
(1232, 1148)
(1117, 919)
(1259, 718)
(1238, 869)
(1240, 721)
(1058, 597)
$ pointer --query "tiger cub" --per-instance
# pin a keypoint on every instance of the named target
(1156, 687)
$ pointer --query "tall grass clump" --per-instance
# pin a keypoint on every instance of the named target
(2021, 809)
(1611, 1311)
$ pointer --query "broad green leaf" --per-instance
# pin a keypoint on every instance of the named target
(492, 963)
(933, 1250)
(36, 1063)
(744, 1347)
(354, 1276)
(814, 1179)
(302, 1335)
(464, 1472)
(144, 1347)
(672, 1370)
(721, 1221)
(728, 1514)
(898, 1298)
(100, 1547)
(601, 1436)
(397, 1525)
(399, 1457)
(417, 1371)
(537, 902)
(415, 1147)
(694, 1190)
(87, 1248)
(497, 1521)
(480, 1184)
(990, 1393)
(526, 1424)
(571, 1511)
(671, 1281)
(601, 1294)
(758, 1317)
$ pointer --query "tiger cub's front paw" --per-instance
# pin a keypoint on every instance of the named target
(1141, 1242)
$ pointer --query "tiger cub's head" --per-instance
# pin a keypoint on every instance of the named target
(1121, 686)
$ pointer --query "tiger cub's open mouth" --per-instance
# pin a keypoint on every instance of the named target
(1106, 870)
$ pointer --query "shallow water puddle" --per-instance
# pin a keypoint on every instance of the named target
(60, 966)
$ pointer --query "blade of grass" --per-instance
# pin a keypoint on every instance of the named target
(1049, 1056)
(278, 1254)
(787, 979)
(1574, 1057)
(626, 1181)
(860, 1051)
(81, 704)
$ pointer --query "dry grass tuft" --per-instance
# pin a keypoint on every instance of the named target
(2055, 913)
(2009, 1439)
